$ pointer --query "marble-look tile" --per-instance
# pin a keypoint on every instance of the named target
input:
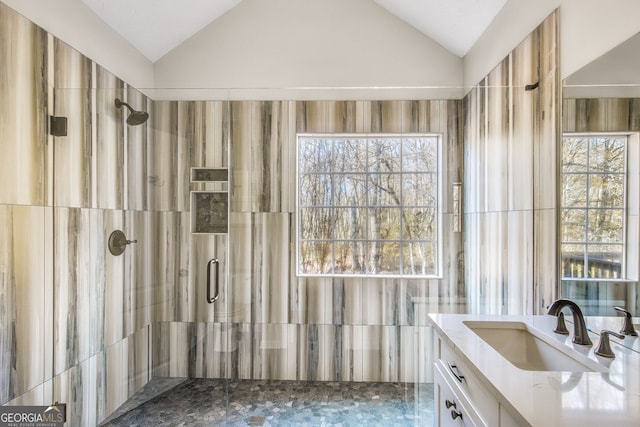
(208, 350)
(169, 245)
(78, 388)
(510, 140)
(39, 395)
(170, 349)
(137, 142)
(270, 351)
(162, 166)
(518, 284)
(22, 288)
(241, 132)
(211, 134)
(74, 308)
(23, 53)
(126, 368)
(240, 357)
(73, 100)
(109, 137)
(545, 279)
(271, 257)
(203, 249)
(240, 268)
(111, 273)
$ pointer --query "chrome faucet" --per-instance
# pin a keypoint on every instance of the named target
(580, 334)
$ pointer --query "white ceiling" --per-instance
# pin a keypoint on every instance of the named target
(155, 27)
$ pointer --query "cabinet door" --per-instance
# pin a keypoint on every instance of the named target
(450, 409)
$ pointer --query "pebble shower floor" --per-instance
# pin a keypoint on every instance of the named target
(202, 402)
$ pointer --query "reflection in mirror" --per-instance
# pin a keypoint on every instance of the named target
(600, 183)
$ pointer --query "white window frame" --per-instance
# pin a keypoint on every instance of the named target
(437, 274)
(625, 216)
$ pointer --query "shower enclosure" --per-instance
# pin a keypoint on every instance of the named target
(208, 290)
(90, 328)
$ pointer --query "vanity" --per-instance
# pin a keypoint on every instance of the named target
(510, 370)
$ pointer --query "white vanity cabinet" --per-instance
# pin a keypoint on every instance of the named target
(460, 397)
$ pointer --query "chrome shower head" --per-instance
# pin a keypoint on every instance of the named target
(135, 117)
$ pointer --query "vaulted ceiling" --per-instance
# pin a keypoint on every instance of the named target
(155, 27)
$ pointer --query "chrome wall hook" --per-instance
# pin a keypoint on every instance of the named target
(118, 242)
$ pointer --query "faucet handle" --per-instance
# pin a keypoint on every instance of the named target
(561, 327)
(627, 326)
(604, 348)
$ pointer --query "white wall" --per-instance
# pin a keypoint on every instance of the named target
(75, 24)
(588, 28)
(345, 48)
(268, 47)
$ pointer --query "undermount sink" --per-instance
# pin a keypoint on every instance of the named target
(528, 349)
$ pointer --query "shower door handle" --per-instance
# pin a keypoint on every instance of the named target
(217, 290)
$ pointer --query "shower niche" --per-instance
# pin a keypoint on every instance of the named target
(210, 207)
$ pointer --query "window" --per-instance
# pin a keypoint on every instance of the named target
(593, 212)
(368, 205)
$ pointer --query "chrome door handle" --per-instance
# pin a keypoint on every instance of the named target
(217, 290)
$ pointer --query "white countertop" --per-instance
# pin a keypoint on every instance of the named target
(553, 398)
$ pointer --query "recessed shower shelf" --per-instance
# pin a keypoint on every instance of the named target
(210, 209)
(209, 174)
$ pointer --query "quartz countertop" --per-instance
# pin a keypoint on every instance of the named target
(546, 398)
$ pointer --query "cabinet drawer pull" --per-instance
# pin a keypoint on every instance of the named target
(449, 404)
(456, 372)
(455, 414)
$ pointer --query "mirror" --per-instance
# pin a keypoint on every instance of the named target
(599, 182)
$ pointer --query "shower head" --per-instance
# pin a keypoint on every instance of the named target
(135, 117)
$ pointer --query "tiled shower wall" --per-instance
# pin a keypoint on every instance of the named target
(75, 321)
(270, 324)
(80, 326)
(511, 134)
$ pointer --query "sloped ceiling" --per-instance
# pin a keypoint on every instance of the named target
(155, 27)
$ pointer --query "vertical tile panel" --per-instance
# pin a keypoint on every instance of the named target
(311, 116)
(266, 156)
(203, 249)
(140, 275)
(353, 302)
(181, 280)
(545, 231)
(23, 53)
(162, 157)
(184, 150)
(109, 130)
(74, 314)
(520, 249)
(240, 267)
(97, 283)
(73, 152)
(22, 285)
(289, 159)
(240, 146)
(525, 71)
(138, 138)
(270, 276)
(270, 353)
(372, 352)
(569, 115)
(165, 247)
(113, 279)
(497, 138)
(116, 375)
(317, 300)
